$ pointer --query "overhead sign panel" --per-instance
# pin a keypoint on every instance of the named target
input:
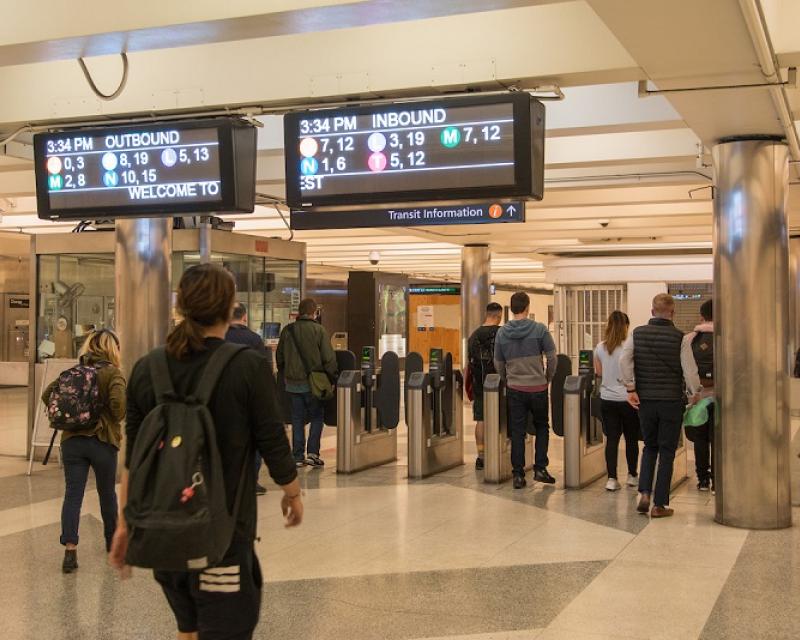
(146, 170)
(449, 149)
(417, 216)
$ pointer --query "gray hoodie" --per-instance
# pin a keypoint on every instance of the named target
(520, 350)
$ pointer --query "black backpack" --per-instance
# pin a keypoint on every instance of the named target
(177, 513)
(481, 355)
(703, 350)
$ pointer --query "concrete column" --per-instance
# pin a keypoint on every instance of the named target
(476, 263)
(751, 348)
(143, 291)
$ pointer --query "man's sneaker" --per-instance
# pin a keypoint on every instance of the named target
(713, 489)
(260, 489)
(520, 482)
(644, 504)
(704, 485)
(299, 463)
(70, 563)
(613, 485)
(313, 460)
(633, 480)
(479, 463)
(541, 475)
(661, 512)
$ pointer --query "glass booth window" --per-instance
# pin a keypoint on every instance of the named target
(75, 295)
(268, 287)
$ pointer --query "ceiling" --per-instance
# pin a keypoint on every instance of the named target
(624, 174)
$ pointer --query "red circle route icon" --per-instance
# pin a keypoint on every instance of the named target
(495, 211)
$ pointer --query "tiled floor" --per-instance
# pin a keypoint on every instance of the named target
(447, 557)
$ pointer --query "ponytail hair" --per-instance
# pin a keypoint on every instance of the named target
(206, 294)
(616, 330)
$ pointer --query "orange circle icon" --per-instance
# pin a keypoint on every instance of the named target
(495, 211)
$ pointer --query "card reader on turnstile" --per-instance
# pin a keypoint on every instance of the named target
(368, 381)
(584, 450)
(434, 414)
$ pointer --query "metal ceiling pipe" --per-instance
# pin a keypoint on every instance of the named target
(756, 25)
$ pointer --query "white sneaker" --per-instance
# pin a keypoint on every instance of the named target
(633, 481)
(612, 485)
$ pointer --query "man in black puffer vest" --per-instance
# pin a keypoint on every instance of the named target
(656, 361)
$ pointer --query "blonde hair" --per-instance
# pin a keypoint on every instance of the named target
(663, 303)
(102, 345)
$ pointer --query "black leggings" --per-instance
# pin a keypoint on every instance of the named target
(620, 418)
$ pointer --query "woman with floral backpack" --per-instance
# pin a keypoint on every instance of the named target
(93, 438)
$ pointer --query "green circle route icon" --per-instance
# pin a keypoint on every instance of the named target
(55, 183)
(450, 137)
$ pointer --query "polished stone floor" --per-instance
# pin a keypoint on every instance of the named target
(379, 557)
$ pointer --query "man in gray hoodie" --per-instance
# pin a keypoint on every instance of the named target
(525, 357)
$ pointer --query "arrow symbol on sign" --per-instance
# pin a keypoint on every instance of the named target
(511, 210)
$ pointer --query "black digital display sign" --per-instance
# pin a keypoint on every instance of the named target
(458, 148)
(146, 169)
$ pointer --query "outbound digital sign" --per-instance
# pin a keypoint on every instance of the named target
(137, 170)
(491, 146)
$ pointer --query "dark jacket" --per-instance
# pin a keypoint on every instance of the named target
(246, 417)
(111, 385)
(657, 360)
(242, 334)
(316, 346)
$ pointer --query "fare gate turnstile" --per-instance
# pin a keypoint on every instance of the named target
(497, 453)
(367, 413)
(434, 414)
(584, 443)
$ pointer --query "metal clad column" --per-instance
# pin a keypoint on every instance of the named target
(794, 295)
(751, 314)
(143, 276)
(475, 267)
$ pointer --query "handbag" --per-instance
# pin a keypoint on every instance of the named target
(318, 381)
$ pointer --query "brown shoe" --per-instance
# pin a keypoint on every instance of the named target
(661, 512)
(644, 504)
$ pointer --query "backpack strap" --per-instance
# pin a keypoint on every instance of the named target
(214, 368)
(159, 373)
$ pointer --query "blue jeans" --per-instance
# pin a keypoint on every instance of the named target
(79, 453)
(305, 408)
(520, 404)
(661, 429)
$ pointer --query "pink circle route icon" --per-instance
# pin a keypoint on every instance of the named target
(377, 162)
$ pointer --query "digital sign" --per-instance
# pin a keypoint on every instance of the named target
(149, 169)
(449, 149)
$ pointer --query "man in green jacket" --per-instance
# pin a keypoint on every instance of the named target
(311, 338)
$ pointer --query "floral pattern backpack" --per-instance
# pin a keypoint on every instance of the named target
(74, 402)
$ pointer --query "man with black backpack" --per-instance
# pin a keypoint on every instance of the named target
(307, 363)
(480, 349)
(702, 340)
(197, 411)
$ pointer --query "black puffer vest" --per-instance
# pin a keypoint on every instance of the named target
(657, 360)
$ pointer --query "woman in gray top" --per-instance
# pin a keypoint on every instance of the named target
(619, 417)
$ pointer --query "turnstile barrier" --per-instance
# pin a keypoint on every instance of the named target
(497, 452)
(368, 411)
(434, 415)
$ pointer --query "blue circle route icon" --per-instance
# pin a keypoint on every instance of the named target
(309, 166)
(111, 178)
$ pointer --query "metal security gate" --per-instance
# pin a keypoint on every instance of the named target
(581, 313)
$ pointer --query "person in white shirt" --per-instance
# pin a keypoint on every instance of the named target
(619, 417)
